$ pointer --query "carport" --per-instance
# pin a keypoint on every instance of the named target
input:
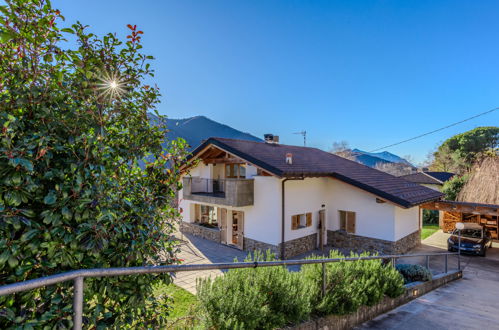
(452, 212)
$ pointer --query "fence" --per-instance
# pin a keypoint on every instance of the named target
(77, 276)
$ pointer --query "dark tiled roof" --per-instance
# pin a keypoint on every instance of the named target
(441, 176)
(420, 178)
(312, 162)
(428, 177)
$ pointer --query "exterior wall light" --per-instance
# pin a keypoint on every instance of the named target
(415, 292)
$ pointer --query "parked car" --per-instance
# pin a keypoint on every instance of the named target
(474, 240)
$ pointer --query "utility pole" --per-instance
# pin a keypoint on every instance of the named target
(304, 134)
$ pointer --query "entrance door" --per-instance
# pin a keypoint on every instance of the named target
(237, 237)
(223, 225)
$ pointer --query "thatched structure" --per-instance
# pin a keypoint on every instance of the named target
(483, 183)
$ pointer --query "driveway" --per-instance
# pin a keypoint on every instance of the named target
(469, 303)
(195, 250)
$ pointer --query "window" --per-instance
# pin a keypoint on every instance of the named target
(347, 221)
(235, 171)
(301, 221)
(205, 215)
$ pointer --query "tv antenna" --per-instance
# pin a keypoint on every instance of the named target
(304, 134)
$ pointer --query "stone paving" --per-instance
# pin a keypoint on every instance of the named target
(195, 250)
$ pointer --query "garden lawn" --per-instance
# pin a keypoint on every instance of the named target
(183, 300)
(428, 230)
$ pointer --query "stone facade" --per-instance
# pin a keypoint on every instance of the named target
(253, 245)
(344, 240)
(299, 245)
(212, 234)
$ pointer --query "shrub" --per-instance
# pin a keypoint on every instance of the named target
(75, 126)
(350, 285)
(414, 273)
(259, 298)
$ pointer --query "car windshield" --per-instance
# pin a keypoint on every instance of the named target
(471, 233)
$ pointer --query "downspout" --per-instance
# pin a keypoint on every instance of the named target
(283, 217)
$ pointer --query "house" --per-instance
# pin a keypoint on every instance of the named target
(433, 180)
(291, 199)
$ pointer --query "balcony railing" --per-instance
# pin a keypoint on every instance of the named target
(231, 192)
(215, 187)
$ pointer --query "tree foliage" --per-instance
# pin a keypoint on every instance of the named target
(458, 153)
(452, 187)
(72, 194)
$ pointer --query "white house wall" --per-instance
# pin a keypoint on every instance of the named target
(406, 221)
(303, 196)
(372, 219)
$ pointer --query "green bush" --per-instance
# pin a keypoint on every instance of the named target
(414, 273)
(452, 187)
(74, 129)
(259, 298)
(350, 285)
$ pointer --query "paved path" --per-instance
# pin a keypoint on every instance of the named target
(195, 250)
(470, 303)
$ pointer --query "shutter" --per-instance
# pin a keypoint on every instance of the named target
(240, 231)
(309, 219)
(197, 212)
(295, 222)
(223, 226)
(351, 222)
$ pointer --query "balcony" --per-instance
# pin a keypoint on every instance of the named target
(230, 192)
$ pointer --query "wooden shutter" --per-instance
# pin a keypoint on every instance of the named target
(295, 222)
(309, 219)
(223, 226)
(343, 220)
(197, 212)
(350, 222)
(240, 231)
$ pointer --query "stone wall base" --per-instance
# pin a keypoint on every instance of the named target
(366, 313)
(342, 239)
(299, 245)
(211, 234)
(253, 245)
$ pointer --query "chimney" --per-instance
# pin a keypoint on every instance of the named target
(271, 138)
(289, 158)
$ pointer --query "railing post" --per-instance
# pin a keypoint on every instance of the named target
(323, 279)
(446, 258)
(394, 261)
(428, 262)
(77, 303)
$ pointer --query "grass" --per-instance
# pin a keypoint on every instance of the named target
(428, 230)
(183, 300)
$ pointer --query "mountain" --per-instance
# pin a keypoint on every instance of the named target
(196, 129)
(382, 157)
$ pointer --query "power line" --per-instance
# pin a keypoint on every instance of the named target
(437, 130)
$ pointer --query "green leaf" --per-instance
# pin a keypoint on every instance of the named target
(29, 235)
(50, 199)
(68, 30)
(13, 262)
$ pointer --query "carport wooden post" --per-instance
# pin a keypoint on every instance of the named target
(428, 262)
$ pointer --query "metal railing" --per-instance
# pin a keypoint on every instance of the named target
(78, 276)
(211, 186)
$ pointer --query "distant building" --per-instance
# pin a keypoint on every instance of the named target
(433, 180)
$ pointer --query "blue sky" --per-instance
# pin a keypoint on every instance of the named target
(368, 72)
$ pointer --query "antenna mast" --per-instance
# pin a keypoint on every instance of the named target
(304, 134)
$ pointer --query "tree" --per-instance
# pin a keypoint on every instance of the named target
(458, 153)
(72, 194)
(342, 149)
(452, 187)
